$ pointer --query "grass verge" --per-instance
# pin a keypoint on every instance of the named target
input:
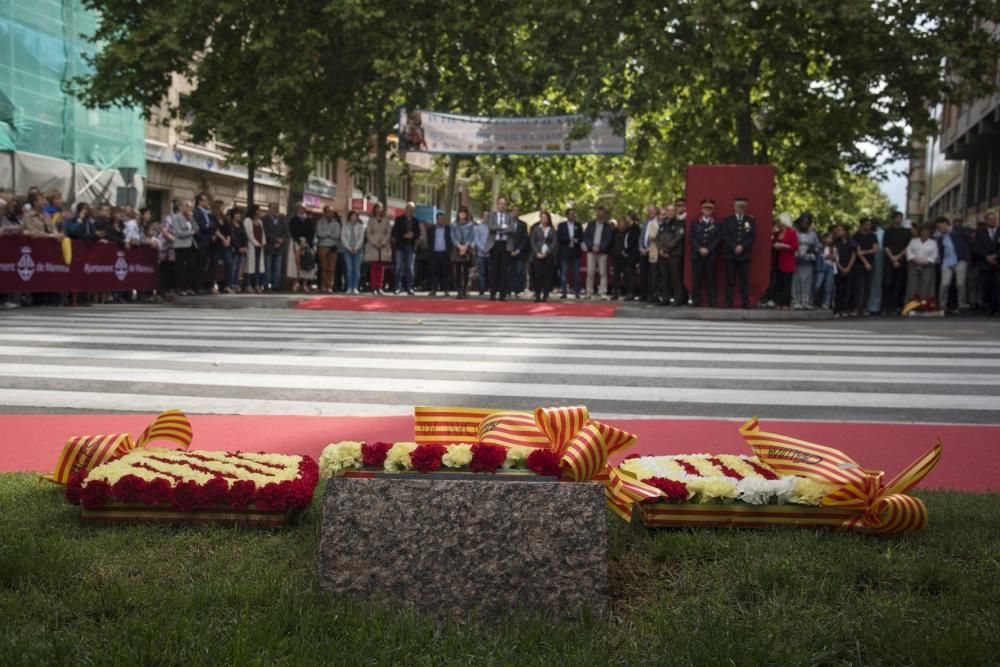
(78, 594)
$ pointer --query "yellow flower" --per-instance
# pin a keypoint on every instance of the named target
(739, 464)
(198, 466)
(516, 456)
(711, 489)
(398, 457)
(810, 492)
(339, 456)
(704, 468)
(457, 456)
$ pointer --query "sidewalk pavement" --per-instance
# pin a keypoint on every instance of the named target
(625, 308)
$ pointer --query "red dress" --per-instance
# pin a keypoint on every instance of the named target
(786, 258)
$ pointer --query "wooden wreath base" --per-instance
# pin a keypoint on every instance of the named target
(117, 512)
(741, 515)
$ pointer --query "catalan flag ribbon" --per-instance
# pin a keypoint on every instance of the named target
(582, 444)
(85, 452)
(879, 507)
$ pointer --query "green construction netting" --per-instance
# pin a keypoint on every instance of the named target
(40, 48)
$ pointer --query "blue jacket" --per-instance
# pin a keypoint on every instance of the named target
(463, 233)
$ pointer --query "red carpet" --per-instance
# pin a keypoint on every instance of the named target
(452, 306)
(971, 460)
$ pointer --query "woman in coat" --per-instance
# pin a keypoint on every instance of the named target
(352, 245)
(254, 228)
(463, 250)
(543, 264)
(785, 242)
(378, 247)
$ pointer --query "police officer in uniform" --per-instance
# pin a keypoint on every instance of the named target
(705, 238)
(738, 232)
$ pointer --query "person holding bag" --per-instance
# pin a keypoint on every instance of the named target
(327, 242)
(378, 247)
(543, 242)
(462, 250)
(352, 244)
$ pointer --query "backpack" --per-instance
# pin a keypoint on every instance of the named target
(307, 259)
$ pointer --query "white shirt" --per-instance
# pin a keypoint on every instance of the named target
(922, 251)
(131, 231)
(597, 234)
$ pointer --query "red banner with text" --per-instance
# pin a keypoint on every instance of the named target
(38, 265)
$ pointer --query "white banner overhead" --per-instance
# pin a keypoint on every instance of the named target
(452, 134)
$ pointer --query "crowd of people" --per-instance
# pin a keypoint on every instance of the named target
(205, 247)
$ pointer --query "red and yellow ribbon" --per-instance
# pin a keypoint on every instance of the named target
(86, 452)
(582, 444)
(881, 508)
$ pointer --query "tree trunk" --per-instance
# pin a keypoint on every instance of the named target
(298, 172)
(251, 175)
(449, 193)
(744, 135)
(744, 116)
(381, 145)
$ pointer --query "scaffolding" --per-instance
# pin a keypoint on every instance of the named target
(47, 137)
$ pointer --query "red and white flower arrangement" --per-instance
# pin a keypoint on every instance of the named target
(707, 478)
(343, 457)
(190, 481)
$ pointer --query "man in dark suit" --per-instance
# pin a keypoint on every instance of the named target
(597, 240)
(206, 225)
(670, 241)
(439, 245)
(738, 231)
(405, 233)
(705, 238)
(501, 226)
(988, 251)
(570, 237)
(625, 255)
(518, 251)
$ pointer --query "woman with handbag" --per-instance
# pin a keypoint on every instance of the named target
(543, 264)
(462, 250)
(253, 227)
(352, 245)
(378, 247)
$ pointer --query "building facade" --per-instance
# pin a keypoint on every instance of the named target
(958, 174)
(48, 139)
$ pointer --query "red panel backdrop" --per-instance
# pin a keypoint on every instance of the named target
(722, 183)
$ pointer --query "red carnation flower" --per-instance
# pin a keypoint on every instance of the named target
(94, 494)
(726, 470)
(543, 462)
(633, 456)
(426, 458)
(74, 485)
(373, 455)
(128, 488)
(187, 496)
(762, 471)
(241, 494)
(487, 457)
(301, 494)
(673, 491)
(273, 497)
(156, 492)
(214, 492)
(309, 472)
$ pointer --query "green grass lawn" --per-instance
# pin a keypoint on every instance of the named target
(79, 595)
